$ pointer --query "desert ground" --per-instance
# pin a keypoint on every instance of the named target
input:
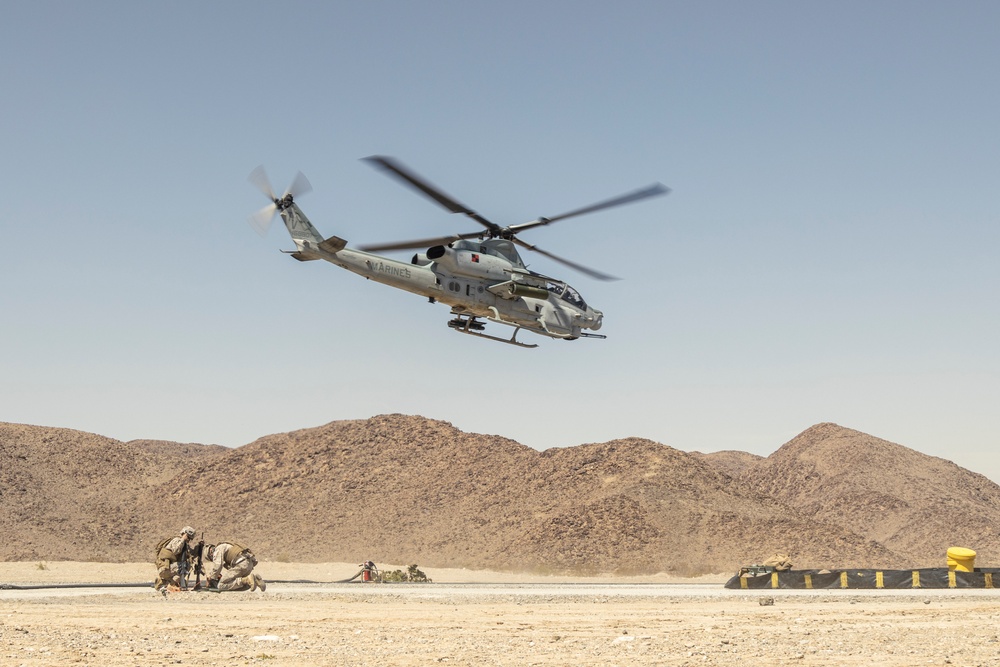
(479, 618)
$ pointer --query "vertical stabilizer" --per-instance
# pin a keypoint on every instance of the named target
(298, 224)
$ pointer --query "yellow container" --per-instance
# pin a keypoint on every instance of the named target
(961, 559)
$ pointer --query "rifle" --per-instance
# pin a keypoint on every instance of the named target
(198, 568)
(183, 566)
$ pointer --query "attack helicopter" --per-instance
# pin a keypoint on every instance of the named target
(479, 274)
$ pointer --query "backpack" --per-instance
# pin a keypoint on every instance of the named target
(240, 550)
(159, 548)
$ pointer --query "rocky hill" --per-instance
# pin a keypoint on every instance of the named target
(918, 505)
(730, 461)
(402, 489)
(71, 495)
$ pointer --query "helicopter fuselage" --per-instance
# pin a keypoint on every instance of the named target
(484, 279)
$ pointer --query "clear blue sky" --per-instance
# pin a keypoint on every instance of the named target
(828, 252)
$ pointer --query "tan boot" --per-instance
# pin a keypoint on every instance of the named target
(250, 581)
(259, 582)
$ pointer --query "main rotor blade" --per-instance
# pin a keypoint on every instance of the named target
(422, 243)
(651, 191)
(260, 180)
(394, 167)
(593, 273)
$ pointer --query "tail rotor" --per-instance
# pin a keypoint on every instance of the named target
(262, 219)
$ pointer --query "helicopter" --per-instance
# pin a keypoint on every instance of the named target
(479, 274)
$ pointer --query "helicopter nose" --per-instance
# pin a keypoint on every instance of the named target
(598, 318)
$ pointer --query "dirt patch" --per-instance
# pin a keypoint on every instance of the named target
(419, 624)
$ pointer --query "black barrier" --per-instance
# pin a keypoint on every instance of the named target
(933, 577)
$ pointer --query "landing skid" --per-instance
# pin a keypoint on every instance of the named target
(472, 327)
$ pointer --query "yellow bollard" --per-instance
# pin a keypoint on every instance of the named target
(961, 559)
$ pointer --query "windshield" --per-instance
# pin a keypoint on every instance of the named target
(574, 298)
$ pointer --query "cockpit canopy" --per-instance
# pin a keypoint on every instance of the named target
(568, 294)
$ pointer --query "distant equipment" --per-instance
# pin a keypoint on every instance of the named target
(960, 573)
(479, 273)
(369, 572)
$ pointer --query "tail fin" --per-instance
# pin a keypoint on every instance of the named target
(298, 225)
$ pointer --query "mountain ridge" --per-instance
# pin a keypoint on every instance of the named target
(398, 488)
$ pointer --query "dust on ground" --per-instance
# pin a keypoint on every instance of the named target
(469, 617)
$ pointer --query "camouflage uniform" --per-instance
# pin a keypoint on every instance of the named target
(238, 563)
(169, 557)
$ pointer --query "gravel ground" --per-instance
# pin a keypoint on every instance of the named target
(477, 618)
